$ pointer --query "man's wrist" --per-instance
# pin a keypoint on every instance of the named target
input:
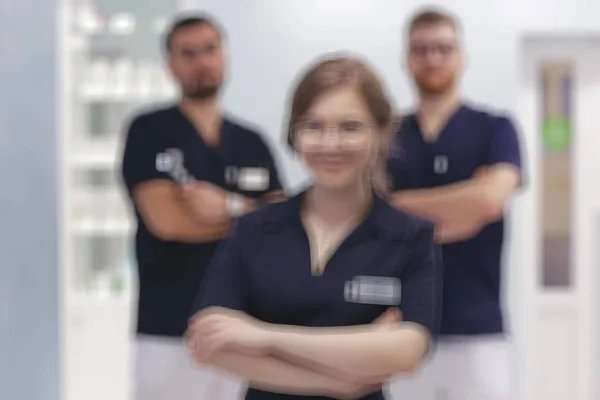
(260, 202)
(238, 205)
(235, 205)
(249, 205)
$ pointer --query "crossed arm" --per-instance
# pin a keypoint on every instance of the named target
(462, 209)
(195, 215)
(363, 353)
(338, 362)
(273, 374)
(333, 361)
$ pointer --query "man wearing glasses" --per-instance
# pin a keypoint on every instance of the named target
(458, 166)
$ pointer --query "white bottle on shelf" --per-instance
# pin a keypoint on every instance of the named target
(88, 19)
(102, 285)
(97, 76)
(157, 80)
(166, 88)
(144, 79)
(121, 279)
(123, 75)
(110, 81)
(122, 24)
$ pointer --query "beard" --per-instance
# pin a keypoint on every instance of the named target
(201, 87)
(435, 83)
(198, 92)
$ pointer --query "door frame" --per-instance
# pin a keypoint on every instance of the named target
(557, 352)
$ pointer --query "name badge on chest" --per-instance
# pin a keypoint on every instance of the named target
(373, 290)
(440, 164)
(171, 162)
(248, 179)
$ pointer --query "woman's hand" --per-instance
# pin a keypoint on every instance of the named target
(387, 321)
(355, 390)
(217, 329)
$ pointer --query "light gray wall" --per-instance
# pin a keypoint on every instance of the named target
(29, 356)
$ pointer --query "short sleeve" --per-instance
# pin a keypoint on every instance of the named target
(225, 284)
(505, 146)
(421, 300)
(142, 154)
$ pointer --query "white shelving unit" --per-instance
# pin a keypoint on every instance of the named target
(107, 74)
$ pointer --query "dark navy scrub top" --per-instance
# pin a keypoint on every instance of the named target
(170, 272)
(470, 140)
(264, 270)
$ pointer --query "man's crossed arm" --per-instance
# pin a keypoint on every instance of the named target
(462, 209)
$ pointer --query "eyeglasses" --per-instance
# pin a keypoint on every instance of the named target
(350, 134)
(194, 52)
(442, 49)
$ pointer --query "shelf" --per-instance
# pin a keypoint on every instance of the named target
(112, 71)
(84, 300)
(150, 96)
(96, 151)
(101, 211)
(95, 159)
(89, 227)
(91, 194)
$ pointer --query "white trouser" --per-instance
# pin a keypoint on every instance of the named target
(164, 370)
(462, 368)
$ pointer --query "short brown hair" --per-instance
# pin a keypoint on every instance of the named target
(432, 16)
(337, 71)
(184, 22)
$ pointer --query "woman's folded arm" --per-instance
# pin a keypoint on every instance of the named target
(272, 374)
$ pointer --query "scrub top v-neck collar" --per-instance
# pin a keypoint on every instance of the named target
(319, 260)
(376, 222)
(214, 159)
(224, 133)
(443, 134)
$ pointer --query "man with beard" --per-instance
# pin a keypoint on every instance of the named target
(190, 172)
(458, 166)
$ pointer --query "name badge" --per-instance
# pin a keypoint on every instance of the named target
(171, 163)
(253, 179)
(440, 164)
(373, 290)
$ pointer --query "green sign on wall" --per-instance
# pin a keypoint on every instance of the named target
(557, 133)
